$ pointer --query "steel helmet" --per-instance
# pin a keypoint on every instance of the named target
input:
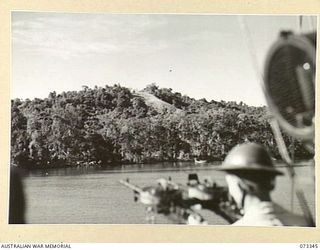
(249, 157)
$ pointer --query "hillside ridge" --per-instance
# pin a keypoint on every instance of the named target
(115, 125)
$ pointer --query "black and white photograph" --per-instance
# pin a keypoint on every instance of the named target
(194, 119)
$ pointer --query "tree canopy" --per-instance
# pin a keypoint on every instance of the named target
(113, 124)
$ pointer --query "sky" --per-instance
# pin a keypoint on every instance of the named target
(202, 56)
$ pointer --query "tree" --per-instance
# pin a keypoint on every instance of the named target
(115, 125)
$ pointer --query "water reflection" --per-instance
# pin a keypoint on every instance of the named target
(132, 168)
(127, 168)
(94, 195)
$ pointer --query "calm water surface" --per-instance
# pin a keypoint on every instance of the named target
(95, 196)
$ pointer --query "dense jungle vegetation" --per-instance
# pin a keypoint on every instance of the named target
(113, 124)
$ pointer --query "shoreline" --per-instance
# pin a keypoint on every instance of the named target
(154, 166)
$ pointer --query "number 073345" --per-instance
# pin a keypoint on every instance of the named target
(309, 245)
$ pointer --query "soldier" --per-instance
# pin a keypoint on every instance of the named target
(250, 175)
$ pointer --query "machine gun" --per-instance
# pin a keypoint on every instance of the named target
(180, 202)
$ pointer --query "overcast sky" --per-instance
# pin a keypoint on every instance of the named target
(203, 56)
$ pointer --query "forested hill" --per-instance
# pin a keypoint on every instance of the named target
(113, 124)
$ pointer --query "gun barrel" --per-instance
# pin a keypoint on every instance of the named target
(131, 186)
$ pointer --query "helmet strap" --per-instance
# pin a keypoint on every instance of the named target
(244, 194)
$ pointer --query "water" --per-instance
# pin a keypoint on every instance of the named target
(95, 196)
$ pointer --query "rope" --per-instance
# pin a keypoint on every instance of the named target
(274, 124)
(250, 46)
(299, 24)
(284, 155)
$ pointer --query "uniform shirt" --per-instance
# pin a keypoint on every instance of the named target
(269, 214)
